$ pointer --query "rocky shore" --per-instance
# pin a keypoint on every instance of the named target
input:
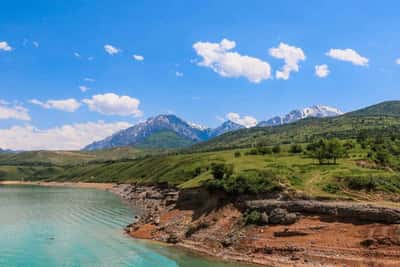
(289, 232)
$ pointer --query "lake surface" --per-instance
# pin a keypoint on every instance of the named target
(55, 226)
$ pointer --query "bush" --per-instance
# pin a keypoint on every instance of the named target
(374, 183)
(260, 151)
(331, 188)
(253, 217)
(248, 182)
(237, 154)
(276, 149)
(296, 149)
(221, 170)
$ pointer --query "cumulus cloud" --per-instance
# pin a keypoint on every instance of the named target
(111, 50)
(321, 70)
(83, 88)
(398, 61)
(8, 112)
(179, 74)
(291, 55)
(138, 57)
(4, 46)
(220, 58)
(68, 105)
(77, 55)
(112, 104)
(66, 137)
(246, 121)
(348, 55)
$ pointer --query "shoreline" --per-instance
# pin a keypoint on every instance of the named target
(211, 227)
(99, 186)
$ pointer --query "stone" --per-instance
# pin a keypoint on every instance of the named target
(264, 218)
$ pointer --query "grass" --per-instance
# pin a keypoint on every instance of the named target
(295, 171)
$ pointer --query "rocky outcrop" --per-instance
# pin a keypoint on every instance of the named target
(346, 210)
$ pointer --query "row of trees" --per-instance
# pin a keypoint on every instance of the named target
(327, 150)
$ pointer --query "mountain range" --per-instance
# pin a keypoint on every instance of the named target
(170, 131)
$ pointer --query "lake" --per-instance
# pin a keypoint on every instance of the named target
(57, 226)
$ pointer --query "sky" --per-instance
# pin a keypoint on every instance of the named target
(76, 71)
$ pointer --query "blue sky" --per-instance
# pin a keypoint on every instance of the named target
(49, 49)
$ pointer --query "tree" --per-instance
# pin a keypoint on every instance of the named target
(324, 149)
(221, 170)
(335, 149)
(296, 148)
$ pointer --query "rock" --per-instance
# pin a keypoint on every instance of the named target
(172, 239)
(290, 218)
(287, 233)
(264, 218)
(277, 216)
(282, 216)
(367, 242)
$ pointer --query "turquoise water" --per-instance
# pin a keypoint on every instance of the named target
(54, 226)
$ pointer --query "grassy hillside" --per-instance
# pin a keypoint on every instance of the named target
(368, 166)
(349, 178)
(383, 119)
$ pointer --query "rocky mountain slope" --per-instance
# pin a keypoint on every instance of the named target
(317, 111)
(170, 131)
(166, 131)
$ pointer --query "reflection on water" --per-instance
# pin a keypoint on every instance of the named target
(53, 226)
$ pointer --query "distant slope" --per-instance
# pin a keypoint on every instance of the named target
(317, 111)
(387, 108)
(162, 131)
(383, 117)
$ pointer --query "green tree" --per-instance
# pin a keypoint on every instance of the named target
(221, 170)
(335, 149)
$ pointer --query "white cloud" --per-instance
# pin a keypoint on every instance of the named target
(66, 137)
(138, 57)
(398, 61)
(83, 88)
(291, 55)
(179, 74)
(246, 121)
(5, 46)
(17, 112)
(68, 105)
(91, 80)
(76, 54)
(220, 59)
(348, 55)
(112, 104)
(35, 44)
(321, 70)
(111, 50)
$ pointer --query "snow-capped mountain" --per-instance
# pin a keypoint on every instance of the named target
(225, 127)
(162, 131)
(170, 131)
(317, 111)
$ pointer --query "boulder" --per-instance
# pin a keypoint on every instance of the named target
(282, 216)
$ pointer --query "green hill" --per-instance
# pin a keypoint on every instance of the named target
(383, 118)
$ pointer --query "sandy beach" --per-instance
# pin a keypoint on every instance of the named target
(100, 186)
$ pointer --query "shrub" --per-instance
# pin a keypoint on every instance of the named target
(248, 182)
(276, 149)
(253, 217)
(237, 154)
(331, 188)
(221, 170)
(296, 149)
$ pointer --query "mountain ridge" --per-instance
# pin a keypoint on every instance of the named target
(170, 131)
